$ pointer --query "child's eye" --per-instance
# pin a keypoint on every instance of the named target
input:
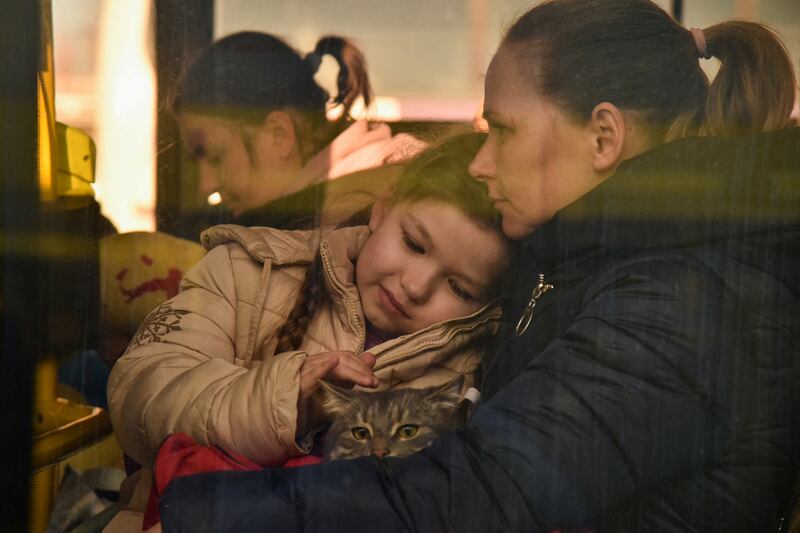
(408, 431)
(412, 244)
(460, 291)
(360, 433)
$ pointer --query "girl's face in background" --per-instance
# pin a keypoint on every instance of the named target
(426, 262)
(233, 160)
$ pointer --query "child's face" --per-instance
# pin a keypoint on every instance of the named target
(426, 262)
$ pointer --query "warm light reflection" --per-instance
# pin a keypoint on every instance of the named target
(45, 161)
(214, 198)
(126, 116)
(383, 109)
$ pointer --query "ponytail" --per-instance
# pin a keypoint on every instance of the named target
(247, 75)
(754, 89)
(352, 80)
(634, 55)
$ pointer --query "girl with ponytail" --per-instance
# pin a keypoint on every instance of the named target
(253, 117)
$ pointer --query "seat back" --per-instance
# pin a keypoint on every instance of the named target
(138, 271)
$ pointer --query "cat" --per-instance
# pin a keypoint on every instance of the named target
(392, 423)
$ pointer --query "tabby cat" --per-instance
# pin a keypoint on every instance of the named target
(388, 423)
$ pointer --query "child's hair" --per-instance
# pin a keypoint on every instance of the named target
(247, 75)
(634, 55)
(439, 173)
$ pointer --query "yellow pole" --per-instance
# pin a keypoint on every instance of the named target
(44, 484)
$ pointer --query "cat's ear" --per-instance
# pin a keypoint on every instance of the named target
(334, 400)
(448, 395)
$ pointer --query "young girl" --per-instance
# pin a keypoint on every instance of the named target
(232, 358)
(252, 115)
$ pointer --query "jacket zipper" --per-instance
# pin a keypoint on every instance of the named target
(527, 314)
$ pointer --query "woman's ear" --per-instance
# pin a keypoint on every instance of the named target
(608, 127)
(281, 134)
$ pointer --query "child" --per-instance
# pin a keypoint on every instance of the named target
(221, 362)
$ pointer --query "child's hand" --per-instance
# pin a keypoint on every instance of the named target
(341, 368)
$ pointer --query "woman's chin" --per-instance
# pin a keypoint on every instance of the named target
(516, 229)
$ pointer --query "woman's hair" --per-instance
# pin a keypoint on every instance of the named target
(246, 75)
(631, 53)
(438, 173)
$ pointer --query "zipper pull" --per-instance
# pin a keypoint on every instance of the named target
(527, 313)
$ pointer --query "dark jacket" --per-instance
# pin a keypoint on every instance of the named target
(657, 388)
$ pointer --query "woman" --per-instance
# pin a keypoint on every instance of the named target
(253, 117)
(648, 381)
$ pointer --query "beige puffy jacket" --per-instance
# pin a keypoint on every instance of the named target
(204, 362)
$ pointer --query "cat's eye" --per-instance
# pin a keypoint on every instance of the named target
(360, 433)
(408, 431)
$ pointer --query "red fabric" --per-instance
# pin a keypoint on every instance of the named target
(303, 461)
(179, 455)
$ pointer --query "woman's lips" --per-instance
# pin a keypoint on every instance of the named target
(390, 303)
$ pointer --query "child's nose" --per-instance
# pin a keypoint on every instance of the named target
(418, 283)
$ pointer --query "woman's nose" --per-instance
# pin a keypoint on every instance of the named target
(207, 178)
(482, 167)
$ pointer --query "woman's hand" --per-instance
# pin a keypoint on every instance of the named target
(340, 368)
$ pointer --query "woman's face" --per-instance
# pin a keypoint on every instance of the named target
(244, 179)
(426, 262)
(535, 160)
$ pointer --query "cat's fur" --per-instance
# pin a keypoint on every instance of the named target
(387, 423)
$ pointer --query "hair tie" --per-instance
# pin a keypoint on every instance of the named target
(700, 43)
(313, 60)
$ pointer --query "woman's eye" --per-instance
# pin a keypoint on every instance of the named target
(460, 291)
(412, 244)
(497, 129)
(408, 431)
(199, 152)
(360, 433)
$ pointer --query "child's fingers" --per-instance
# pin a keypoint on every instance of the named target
(313, 370)
(354, 370)
(368, 359)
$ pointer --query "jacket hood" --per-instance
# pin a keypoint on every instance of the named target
(280, 247)
(685, 193)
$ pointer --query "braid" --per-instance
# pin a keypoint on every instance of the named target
(312, 297)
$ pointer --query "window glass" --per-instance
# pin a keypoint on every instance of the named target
(181, 227)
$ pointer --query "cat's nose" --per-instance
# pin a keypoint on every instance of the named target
(380, 453)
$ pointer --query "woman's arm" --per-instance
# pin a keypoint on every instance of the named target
(649, 400)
